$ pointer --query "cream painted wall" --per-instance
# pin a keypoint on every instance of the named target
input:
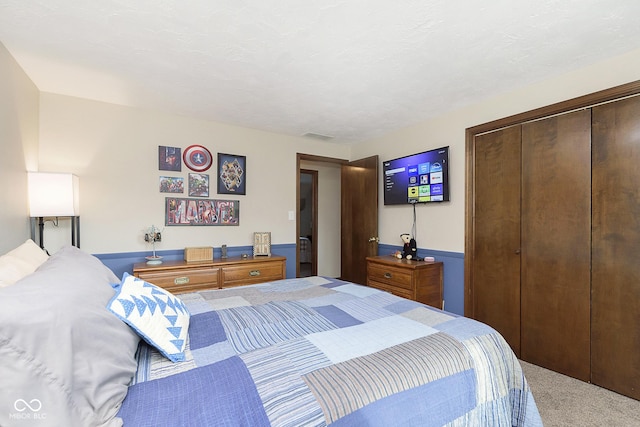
(114, 151)
(329, 185)
(441, 226)
(19, 144)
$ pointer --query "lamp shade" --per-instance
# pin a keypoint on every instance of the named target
(53, 194)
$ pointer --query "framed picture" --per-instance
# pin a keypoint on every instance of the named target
(169, 159)
(261, 244)
(171, 184)
(232, 174)
(198, 185)
(188, 211)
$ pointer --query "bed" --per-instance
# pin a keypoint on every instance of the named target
(313, 351)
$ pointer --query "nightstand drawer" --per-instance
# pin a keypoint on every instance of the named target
(237, 275)
(389, 275)
(404, 293)
(417, 280)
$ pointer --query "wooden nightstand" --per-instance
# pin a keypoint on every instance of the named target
(417, 280)
(181, 276)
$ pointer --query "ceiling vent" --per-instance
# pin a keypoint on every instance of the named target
(317, 136)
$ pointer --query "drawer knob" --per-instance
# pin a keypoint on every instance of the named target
(254, 273)
(181, 280)
(388, 275)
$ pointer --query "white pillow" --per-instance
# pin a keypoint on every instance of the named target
(154, 313)
(13, 269)
(31, 253)
(20, 262)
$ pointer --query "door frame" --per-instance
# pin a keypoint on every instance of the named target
(318, 159)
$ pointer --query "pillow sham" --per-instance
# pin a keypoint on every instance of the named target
(20, 262)
(61, 350)
(13, 269)
(155, 314)
(30, 253)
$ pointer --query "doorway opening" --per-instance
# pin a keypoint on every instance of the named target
(308, 223)
(318, 214)
(346, 207)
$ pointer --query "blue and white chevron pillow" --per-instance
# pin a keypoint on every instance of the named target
(158, 316)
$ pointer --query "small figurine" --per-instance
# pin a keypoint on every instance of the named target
(410, 250)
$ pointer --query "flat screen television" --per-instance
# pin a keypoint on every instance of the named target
(418, 178)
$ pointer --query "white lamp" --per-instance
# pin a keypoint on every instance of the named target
(54, 195)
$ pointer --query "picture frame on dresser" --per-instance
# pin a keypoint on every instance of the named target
(261, 244)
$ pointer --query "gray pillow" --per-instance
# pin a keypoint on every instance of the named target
(64, 358)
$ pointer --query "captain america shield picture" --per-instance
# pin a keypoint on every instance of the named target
(197, 158)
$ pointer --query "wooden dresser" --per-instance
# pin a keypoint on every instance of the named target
(417, 280)
(181, 276)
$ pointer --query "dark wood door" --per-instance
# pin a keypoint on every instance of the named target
(496, 238)
(556, 247)
(615, 316)
(359, 222)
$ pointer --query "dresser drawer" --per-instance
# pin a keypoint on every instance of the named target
(182, 276)
(186, 280)
(237, 275)
(390, 275)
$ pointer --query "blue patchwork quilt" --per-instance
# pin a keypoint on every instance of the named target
(318, 351)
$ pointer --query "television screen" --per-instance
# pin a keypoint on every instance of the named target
(418, 178)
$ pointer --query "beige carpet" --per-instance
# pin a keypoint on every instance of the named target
(565, 401)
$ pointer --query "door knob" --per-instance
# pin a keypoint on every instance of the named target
(374, 239)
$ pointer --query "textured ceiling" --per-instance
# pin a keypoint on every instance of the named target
(349, 69)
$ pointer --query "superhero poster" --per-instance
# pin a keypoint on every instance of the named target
(187, 211)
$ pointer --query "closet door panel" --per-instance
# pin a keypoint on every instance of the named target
(496, 240)
(556, 247)
(615, 327)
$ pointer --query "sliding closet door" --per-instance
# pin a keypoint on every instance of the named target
(496, 237)
(556, 247)
(615, 324)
